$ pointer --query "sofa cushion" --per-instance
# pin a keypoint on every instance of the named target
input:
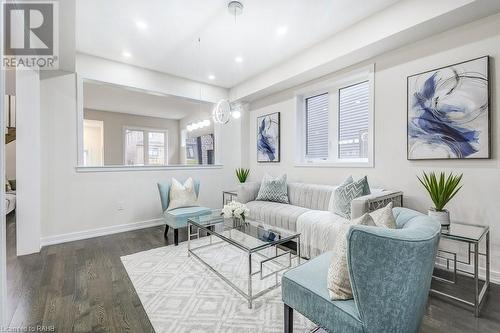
(277, 214)
(343, 196)
(304, 289)
(273, 189)
(182, 195)
(383, 217)
(310, 196)
(177, 218)
(339, 286)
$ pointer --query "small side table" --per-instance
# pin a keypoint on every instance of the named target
(228, 196)
(472, 235)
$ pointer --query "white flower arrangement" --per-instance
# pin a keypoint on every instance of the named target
(235, 209)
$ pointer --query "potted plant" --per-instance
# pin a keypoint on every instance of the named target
(242, 174)
(441, 189)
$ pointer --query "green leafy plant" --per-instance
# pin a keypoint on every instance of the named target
(242, 174)
(441, 188)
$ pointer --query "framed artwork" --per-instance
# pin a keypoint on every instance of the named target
(449, 112)
(268, 138)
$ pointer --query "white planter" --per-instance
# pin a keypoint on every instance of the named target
(442, 216)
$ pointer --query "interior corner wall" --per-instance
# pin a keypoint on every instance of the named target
(477, 202)
(28, 162)
(78, 204)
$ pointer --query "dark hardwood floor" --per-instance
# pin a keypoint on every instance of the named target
(82, 286)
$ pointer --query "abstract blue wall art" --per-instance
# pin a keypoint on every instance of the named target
(448, 112)
(268, 138)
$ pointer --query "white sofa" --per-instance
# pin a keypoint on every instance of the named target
(310, 211)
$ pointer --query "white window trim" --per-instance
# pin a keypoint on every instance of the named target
(332, 87)
(145, 130)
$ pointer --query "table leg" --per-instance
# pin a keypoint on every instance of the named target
(298, 250)
(249, 280)
(189, 240)
(476, 279)
(488, 258)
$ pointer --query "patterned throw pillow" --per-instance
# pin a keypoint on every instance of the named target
(182, 195)
(338, 283)
(383, 217)
(273, 189)
(344, 194)
(366, 186)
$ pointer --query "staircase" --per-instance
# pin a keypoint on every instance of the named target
(10, 121)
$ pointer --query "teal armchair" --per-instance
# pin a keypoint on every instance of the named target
(390, 272)
(177, 218)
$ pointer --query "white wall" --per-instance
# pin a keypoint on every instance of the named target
(99, 69)
(28, 162)
(79, 203)
(477, 202)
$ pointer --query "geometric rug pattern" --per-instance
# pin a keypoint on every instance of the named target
(180, 294)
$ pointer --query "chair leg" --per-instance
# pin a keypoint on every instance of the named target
(288, 319)
(176, 237)
(166, 231)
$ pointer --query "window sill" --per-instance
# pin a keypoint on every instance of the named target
(126, 168)
(334, 165)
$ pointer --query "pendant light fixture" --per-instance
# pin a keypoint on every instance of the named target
(224, 110)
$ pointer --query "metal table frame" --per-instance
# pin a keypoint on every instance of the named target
(248, 295)
(472, 258)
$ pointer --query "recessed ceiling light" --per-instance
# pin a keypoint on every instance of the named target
(211, 77)
(126, 54)
(282, 30)
(238, 60)
(141, 25)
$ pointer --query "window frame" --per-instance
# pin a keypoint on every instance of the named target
(332, 87)
(145, 131)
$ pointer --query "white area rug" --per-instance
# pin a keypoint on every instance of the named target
(180, 294)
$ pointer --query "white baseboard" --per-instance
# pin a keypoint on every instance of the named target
(494, 275)
(79, 235)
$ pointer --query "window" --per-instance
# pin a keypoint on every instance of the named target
(335, 122)
(353, 121)
(317, 126)
(145, 146)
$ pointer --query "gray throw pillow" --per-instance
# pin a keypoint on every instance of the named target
(273, 189)
(345, 193)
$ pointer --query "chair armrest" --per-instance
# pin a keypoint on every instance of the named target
(390, 272)
(374, 201)
(248, 191)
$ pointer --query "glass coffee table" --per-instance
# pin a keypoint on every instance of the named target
(269, 250)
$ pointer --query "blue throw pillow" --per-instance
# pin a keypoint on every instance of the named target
(273, 189)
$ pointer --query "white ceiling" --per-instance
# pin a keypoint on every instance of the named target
(107, 97)
(169, 43)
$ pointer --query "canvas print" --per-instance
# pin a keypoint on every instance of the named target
(268, 138)
(448, 112)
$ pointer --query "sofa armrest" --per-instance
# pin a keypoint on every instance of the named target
(248, 191)
(374, 201)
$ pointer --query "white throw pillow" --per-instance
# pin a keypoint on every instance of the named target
(384, 218)
(338, 283)
(182, 195)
